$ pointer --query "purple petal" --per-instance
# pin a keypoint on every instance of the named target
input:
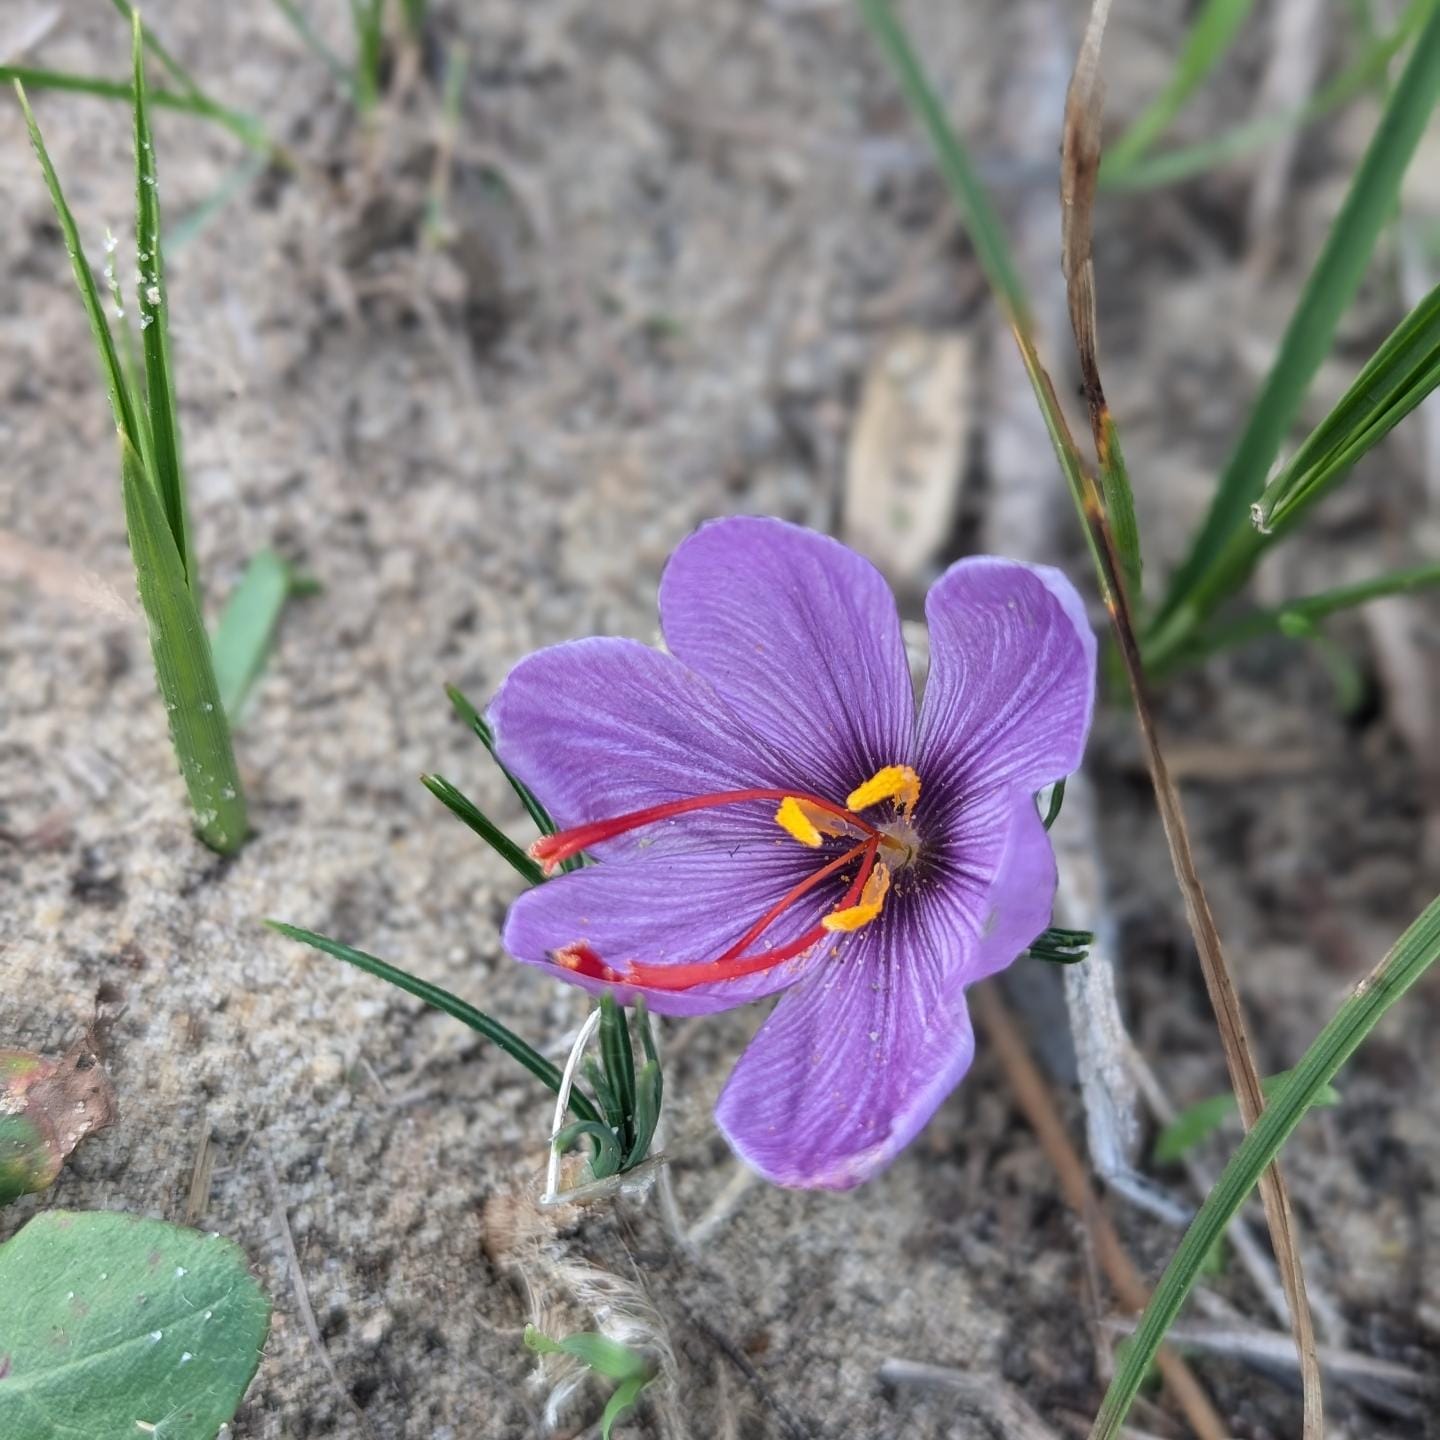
(599, 728)
(1012, 678)
(860, 1054)
(851, 1064)
(801, 638)
(672, 909)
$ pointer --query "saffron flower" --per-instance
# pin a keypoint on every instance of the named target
(769, 813)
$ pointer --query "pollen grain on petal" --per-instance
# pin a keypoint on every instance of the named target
(894, 782)
(872, 900)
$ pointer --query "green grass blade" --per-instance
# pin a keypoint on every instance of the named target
(247, 628)
(992, 249)
(183, 667)
(122, 404)
(1171, 166)
(1299, 617)
(164, 458)
(1210, 37)
(1200, 1120)
(1198, 586)
(242, 126)
(177, 72)
(1401, 373)
(1412, 955)
(450, 1004)
(477, 722)
(465, 809)
(310, 38)
(177, 633)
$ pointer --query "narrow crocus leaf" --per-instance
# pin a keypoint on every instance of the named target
(164, 458)
(1057, 799)
(1223, 552)
(599, 1353)
(1209, 37)
(1061, 947)
(607, 1157)
(247, 628)
(1199, 1121)
(476, 721)
(116, 1326)
(465, 809)
(450, 1004)
(619, 1063)
(648, 1089)
(604, 1095)
(1411, 957)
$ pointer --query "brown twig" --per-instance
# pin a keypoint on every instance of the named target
(1079, 174)
(1033, 1097)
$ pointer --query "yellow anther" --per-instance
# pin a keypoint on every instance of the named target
(807, 823)
(894, 782)
(792, 819)
(872, 898)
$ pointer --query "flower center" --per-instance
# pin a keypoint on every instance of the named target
(809, 819)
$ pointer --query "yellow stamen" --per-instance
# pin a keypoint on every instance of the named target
(894, 782)
(872, 898)
(807, 823)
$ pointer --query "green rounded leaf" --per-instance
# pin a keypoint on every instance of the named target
(117, 1328)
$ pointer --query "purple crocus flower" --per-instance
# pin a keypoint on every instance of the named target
(769, 814)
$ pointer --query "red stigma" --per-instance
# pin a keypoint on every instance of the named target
(581, 957)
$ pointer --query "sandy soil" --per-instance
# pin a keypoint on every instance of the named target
(682, 232)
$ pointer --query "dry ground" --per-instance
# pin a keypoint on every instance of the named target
(683, 230)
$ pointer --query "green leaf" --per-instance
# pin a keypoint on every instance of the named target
(476, 721)
(1411, 956)
(1219, 561)
(1061, 947)
(992, 246)
(1181, 163)
(599, 1353)
(243, 127)
(181, 652)
(177, 72)
(452, 1005)
(619, 1061)
(163, 459)
(115, 1327)
(178, 643)
(1210, 37)
(1199, 1121)
(625, 1394)
(607, 1157)
(648, 1091)
(310, 38)
(1057, 799)
(1401, 373)
(465, 809)
(247, 628)
(1299, 617)
(121, 402)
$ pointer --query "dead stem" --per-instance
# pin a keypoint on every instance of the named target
(1032, 1096)
(1079, 175)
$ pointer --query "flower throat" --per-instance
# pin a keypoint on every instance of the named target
(808, 819)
